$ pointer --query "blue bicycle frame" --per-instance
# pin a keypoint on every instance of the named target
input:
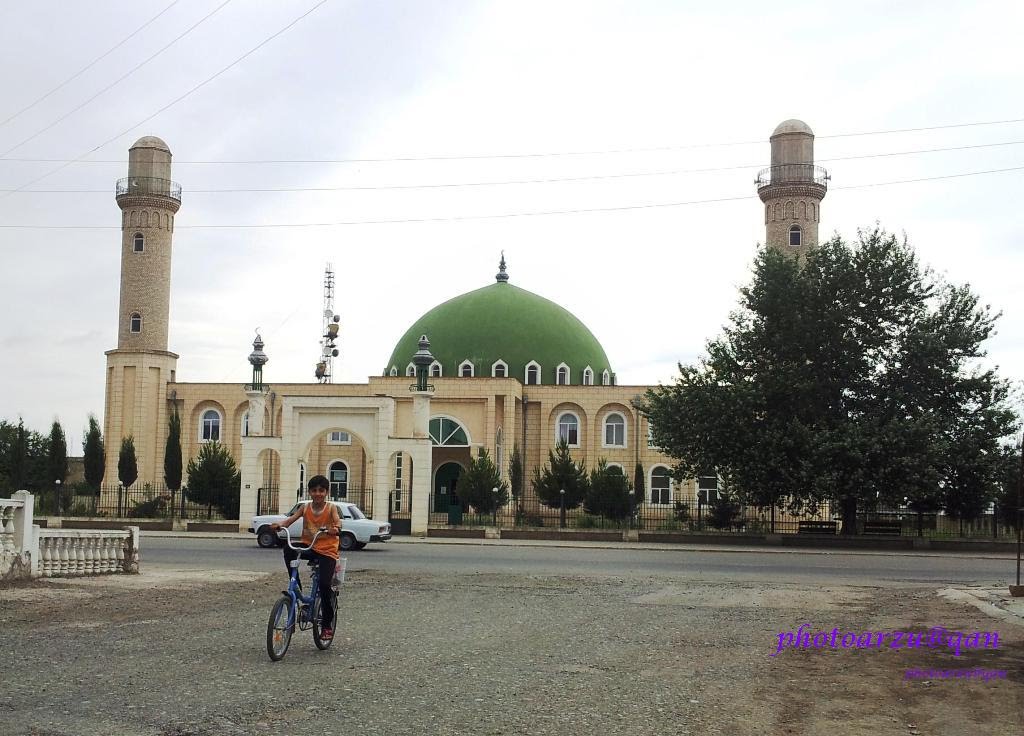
(294, 587)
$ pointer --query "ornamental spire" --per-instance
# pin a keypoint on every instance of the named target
(501, 277)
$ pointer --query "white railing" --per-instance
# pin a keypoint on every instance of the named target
(28, 551)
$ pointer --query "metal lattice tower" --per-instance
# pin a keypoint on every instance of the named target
(329, 334)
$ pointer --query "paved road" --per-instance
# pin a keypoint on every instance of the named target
(759, 565)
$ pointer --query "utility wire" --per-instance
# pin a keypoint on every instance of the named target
(505, 182)
(504, 156)
(90, 65)
(202, 84)
(506, 215)
(118, 80)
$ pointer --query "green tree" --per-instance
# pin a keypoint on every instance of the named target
(127, 464)
(515, 478)
(481, 485)
(608, 493)
(57, 459)
(852, 379)
(560, 472)
(214, 480)
(172, 452)
(639, 486)
(1010, 496)
(94, 456)
(723, 512)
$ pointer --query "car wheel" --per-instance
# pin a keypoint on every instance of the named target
(348, 542)
(266, 537)
(358, 545)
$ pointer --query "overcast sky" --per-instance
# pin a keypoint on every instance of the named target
(466, 93)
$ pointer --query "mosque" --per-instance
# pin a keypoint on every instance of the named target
(503, 367)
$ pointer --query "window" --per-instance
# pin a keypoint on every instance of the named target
(588, 376)
(614, 430)
(532, 373)
(661, 485)
(245, 424)
(707, 488)
(398, 482)
(138, 243)
(568, 429)
(337, 476)
(210, 428)
(606, 378)
(135, 322)
(435, 369)
(447, 432)
(302, 477)
(466, 369)
(410, 370)
(338, 437)
(393, 371)
(562, 375)
(499, 369)
(794, 235)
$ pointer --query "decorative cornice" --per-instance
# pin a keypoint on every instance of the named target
(127, 201)
(791, 189)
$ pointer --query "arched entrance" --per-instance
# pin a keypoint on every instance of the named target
(446, 499)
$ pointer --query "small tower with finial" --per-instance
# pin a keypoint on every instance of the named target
(792, 189)
(501, 277)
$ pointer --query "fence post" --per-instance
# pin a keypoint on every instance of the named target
(120, 500)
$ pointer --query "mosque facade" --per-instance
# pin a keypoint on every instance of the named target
(507, 368)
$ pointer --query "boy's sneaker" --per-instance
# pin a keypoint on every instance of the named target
(326, 633)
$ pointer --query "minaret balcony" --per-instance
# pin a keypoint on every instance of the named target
(792, 174)
(147, 185)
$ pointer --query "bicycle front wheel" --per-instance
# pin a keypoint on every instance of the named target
(279, 632)
(318, 624)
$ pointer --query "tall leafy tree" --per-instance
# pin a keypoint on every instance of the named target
(214, 480)
(127, 463)
(57, 459)
(481, 486)
(852, 379)
(639, 486)
(560, 472)
(94, 458)
(515, 477)
(608, 492)
(172, 452)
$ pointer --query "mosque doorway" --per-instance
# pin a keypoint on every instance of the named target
(446, 497)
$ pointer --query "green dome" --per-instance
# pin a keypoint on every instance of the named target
(503, 322)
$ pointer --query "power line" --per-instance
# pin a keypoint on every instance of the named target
(475, 157)
(119, 79)
(505, 215)
(505, 182)
(90, 65)
(202, 84)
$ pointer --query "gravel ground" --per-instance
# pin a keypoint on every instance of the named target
(165, 655)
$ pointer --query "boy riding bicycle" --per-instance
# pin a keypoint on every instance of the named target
(316, 515)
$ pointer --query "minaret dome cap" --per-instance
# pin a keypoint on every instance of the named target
(792, 126)
(151, 141)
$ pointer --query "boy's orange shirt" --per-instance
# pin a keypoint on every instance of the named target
(311, 522)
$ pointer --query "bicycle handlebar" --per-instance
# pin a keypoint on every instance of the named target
(288, 540)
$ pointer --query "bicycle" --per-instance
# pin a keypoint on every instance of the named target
(293, 608)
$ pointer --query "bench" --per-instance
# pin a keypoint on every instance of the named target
(817, 527)
(883, 528)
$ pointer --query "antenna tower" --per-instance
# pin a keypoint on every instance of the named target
(329, 334)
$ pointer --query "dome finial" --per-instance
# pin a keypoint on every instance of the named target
(501, 277)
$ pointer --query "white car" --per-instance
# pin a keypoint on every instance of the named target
(356, 530)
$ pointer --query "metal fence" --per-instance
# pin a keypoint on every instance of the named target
(119, 502)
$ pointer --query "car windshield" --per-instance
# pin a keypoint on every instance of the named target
(356, 513)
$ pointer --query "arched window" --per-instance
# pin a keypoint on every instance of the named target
(135, 322)
(447, 432)
(466, 369)
(562, 375)
(410, 370)
(661, 485)
(614, 430)
(435, 369)
(337, 476)
(588, 376)
(532, 373)
(794, 235)
(499, 369)
(209, 430)
(606, 378)
(245, 424)
(138, 243)
(568, 429)
(393, 371)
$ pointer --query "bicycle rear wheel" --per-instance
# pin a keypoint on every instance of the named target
(317, 614)
(279, 632)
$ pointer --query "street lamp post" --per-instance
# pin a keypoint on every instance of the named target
(57, 495)
(561, 515)
(632, 507)
(1018, 589)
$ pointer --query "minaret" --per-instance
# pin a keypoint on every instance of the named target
(792, 189)
(139, 370)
